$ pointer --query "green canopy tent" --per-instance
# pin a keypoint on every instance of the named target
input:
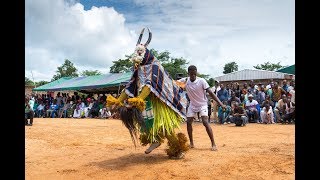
(289, 69)
(100, 83)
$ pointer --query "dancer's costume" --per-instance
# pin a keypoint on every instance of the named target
(158, 104)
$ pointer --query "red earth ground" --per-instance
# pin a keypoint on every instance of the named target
(102, 149)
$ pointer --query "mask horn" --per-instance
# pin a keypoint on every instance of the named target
(140, 37)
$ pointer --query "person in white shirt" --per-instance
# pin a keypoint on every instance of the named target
(251, 108)
(197, 88)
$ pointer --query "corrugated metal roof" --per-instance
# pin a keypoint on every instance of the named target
(252, 74)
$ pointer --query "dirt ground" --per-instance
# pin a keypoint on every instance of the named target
(102, 149)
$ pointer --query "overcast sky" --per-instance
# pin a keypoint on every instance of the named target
(208, 33)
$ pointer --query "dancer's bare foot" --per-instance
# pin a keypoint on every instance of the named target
(214, 148)
(179, 156)
(191, 146)
(152, 147)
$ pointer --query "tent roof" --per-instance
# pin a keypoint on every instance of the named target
(86, 82)
(289, 69)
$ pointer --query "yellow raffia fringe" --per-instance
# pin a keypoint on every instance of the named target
(112, 101)
(144, 92)
(138, 103)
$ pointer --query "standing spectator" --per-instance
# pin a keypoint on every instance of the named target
(244, 92)
(236, 89)
(276, 93)
(292, 93)
(261, 95)
(285, 85)
(223, 93)
(28, 112)
(291, 86)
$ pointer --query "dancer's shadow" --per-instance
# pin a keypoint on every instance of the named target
(131, 160)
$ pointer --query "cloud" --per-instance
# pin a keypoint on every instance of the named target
(208, 34)
(58, 30)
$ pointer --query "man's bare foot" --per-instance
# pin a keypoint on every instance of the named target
(214, 148)
(191, 146)
(152, 147)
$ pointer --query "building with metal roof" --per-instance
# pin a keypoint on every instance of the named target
(255, 75)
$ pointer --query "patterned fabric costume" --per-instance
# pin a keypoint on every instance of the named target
(161, 105)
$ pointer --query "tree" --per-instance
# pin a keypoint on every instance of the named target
(269, 66)
(90, 73)
(230, 67)
(211, 82)
(66, 70)
(122, 65)
(27, 81)
(175, 66)
(40, 83)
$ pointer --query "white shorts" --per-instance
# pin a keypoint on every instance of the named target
(192, 111)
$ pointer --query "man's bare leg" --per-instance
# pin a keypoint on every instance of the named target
(189, 129)
(209, 131)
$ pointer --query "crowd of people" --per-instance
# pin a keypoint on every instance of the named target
(65, 106)
(260, 103)
(249, 102)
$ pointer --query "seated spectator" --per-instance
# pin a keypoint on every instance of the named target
(94, 110)
(289, 115)
(280, 108)
(223, 114)
(238, 115)
(78, 111)
(53, 110)
(40, 110)
(266, 114)
(64, 109)
(251, 109)
(71, 109)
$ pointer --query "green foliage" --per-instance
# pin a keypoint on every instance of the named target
(176, 66)
(269, 66)
(40, 83)
(66, 70)
(122, 65)
(27, 81)
(211, 82)
(230, 67)
(90, 73)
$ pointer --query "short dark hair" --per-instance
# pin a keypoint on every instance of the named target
(192, 68)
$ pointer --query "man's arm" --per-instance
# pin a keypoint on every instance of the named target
(214, 97)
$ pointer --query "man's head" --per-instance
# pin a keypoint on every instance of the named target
(233, 94)
(250, 97)
(192, 72)
(284, 82)
(284, 98)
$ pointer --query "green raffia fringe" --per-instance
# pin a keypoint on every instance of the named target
(164, 121)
